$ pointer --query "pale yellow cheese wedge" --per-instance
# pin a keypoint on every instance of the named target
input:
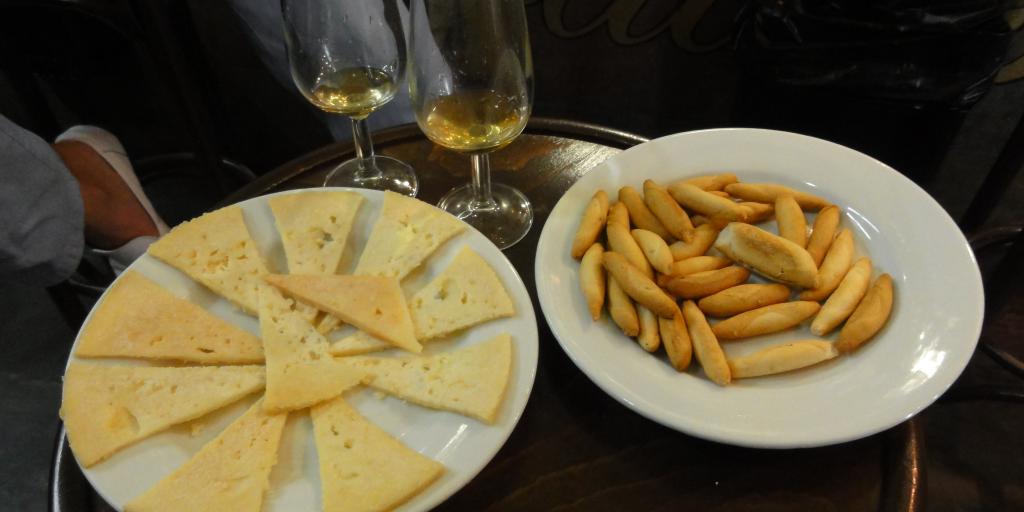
(362, 468)
(217, 251)
(370, 303)
(466, 293)
(232, 472)
(314, 228)
(140, 319)
(471, 381)
(357, 343)
(106, 408)
(300, 370)
(407, 232)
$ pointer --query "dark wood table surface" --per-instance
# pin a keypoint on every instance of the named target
(576, 448)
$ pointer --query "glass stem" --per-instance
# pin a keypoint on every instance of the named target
(364, 149)
(481, 167)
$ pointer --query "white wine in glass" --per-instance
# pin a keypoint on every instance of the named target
(347, 57)
(471, 83)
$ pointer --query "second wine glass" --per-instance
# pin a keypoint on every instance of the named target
(348, 58)
(471, 81)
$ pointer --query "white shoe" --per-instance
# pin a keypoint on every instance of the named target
(109, 147)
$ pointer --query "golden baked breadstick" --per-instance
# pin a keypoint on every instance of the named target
(824, 231)
(702, 284)
(618, 215)
(772, 256)
(593, 221)
(592, 281)
(668, 211)
(676, 340)
(844, 300)
(720, 193)
(655, 249)
(621, 309)
(744, 297)
(702, 201)
(698, 264)
(769, 192)
(791, 220)
(705, 345)
(765, 320)
(837, 263)
(782, 358)
(621, 241)
(703, 238)
(638, 286)
(699, 220)
(649, 339)
(759, 212)
(869, 317)
(639, 213)
(715, 182)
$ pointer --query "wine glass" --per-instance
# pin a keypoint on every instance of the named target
(347, 57)
(471, 82)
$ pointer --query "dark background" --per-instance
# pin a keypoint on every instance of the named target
(932, 88)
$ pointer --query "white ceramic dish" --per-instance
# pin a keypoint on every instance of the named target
(462, 444)
(936, 320)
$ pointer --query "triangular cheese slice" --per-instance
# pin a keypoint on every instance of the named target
(300, 370)
(362, 468)
(216, 250)
(357, 343)
(370, 303)
(407, 232)
(232, 472)
(106, 408)
(467, 293)
(471, 381)
(314, 228)
(138, 318)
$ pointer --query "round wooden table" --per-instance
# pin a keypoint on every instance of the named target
(576, 448)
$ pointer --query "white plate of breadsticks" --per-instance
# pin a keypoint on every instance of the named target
(323, 349)
(759, 288)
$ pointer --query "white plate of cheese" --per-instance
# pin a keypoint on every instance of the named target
(463, 445)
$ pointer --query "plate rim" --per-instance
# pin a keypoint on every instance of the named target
(549, 310)
(515, 415)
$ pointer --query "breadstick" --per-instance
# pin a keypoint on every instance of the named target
(744, 297)
(638, 286)
(618, 215)
(844, 300)
(621, 241)
(648, 338)
(703, 238)
(676, 340)
(772, 256)
(592, 280)
(702, 284)
(765, 320)
(719, 193)
(824, 231)
(837, 263)
(782, 358)
(639, 213)
(791, 220)
(769, 192)
(759, 212)
(668, 211)
(594, 217)
(698, 264)
(706, 203)
(699, 220)
(621, 309)
(715, 182)
(655, 249)
(705, 345)
(869, 317)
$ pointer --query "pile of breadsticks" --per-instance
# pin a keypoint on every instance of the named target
(658, 245)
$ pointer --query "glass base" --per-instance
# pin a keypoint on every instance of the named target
(385, 173)
(505, 221)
